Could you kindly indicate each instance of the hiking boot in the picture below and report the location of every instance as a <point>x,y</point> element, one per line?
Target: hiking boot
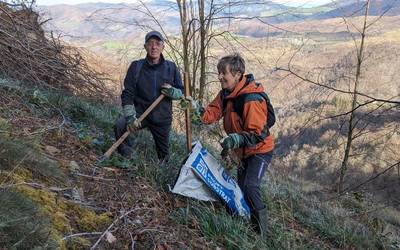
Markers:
<point>126,152</point>
<point>260,224</point>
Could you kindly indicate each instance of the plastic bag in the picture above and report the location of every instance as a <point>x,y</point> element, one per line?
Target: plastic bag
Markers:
<point>201,174</point>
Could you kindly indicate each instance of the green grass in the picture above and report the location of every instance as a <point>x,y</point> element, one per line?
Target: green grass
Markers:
<point>332,222</point>
<point>22,226</point>
<point>16,154</point>
<point>80,110</point>
<point>92,120</point>
<point>145,162</point>
<point>57,103</point>
<point>216,225</point>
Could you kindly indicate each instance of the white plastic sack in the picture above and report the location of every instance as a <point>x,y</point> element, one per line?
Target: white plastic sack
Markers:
<point>202,168</point>
<point>188,184</point>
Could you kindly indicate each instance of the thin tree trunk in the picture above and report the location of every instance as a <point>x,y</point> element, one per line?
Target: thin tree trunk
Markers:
<point>345,161</point>
<point>184,24</point>
<point>194,52</point>
<point>202,50</point>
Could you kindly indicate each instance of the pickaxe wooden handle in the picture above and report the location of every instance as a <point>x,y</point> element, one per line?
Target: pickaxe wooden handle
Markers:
<point>125,135</point>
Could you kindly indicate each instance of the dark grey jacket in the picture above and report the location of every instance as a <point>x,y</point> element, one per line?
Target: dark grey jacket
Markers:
<point>148,87</point>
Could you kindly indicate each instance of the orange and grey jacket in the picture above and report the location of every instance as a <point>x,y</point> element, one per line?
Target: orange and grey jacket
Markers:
<point>253,124</point>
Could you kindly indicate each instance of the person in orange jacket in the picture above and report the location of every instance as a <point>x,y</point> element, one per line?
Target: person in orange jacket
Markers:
<point>248,133</point>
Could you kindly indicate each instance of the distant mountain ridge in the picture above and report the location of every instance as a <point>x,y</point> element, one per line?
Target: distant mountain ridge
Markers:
<point>98,20</point>
<point>355,8</point>
<point>121,21</point>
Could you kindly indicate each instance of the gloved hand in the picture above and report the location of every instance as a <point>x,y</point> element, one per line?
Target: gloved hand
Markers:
<point>171,92</point>
<point>195,118</point>
<point>132,123</point>
<point>195,105</point>
<point>196,110</point>
<point>230,159</point>
<point>232,141</point>
<point>189,102</point>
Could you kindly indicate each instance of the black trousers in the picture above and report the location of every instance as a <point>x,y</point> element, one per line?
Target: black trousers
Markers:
<point>160,136</point>
<point>250,175</point>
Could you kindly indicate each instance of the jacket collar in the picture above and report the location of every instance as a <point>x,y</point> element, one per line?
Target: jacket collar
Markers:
<point>245,85</point>
<point>155,65</point>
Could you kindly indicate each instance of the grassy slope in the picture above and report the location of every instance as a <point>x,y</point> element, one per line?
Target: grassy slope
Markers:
<point>30,121</point>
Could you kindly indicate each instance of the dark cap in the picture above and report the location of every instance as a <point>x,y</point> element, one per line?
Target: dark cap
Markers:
<point>155,34</point>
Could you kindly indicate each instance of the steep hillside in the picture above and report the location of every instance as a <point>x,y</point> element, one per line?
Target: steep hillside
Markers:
<point>49,143</point>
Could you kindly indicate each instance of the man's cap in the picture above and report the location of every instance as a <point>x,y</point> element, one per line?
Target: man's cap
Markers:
<point>155,34</point>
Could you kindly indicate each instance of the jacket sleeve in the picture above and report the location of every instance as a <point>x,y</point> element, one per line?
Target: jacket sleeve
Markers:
<point>255,122</point>
<point>128,94</point>
<point>177,79</point>
<point>214,111</point>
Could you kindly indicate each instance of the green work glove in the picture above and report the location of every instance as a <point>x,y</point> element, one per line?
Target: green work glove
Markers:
<point>197,113</point>
<point>171,92</point>
<point>232,141</point>
<point>189,102</point>
<point>195,118</point>
<point>132,123</point>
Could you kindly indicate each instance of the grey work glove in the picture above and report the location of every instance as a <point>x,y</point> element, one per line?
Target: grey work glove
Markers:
<point>196,110</point>
<point>171,92</point>
<point>132,123</point>
<point>232,141</point>
<point>194,105</point>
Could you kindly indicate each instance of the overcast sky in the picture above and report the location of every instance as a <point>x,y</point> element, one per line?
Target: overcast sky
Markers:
<point>287,2</point>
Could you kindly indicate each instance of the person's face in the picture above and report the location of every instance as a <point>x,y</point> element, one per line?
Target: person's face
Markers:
<point>227,79</point>
<point>154,48</point>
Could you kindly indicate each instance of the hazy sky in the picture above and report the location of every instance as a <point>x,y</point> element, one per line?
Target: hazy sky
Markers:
<point>287,2</point>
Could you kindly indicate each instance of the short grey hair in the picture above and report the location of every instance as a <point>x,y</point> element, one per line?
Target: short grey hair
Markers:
<point>235,61</point>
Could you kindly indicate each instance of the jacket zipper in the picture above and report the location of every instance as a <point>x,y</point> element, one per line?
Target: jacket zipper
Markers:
<point>155,85</point>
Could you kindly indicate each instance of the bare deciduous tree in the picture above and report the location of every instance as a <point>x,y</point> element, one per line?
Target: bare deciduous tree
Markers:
<point>351,127</point>
<point>363,107</point>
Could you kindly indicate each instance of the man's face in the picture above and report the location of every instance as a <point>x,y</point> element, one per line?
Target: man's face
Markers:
<point>227,79</point>
<point>154,48</point>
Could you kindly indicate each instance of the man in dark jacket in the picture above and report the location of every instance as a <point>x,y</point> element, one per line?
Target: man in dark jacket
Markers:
<point>145,80</point>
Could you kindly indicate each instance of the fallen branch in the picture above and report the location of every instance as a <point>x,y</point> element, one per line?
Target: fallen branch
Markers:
<point>35,185</point>
<point>94,177</point>
<point>133,241</point>
<point>80,234</point>
<point>150,230</point>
